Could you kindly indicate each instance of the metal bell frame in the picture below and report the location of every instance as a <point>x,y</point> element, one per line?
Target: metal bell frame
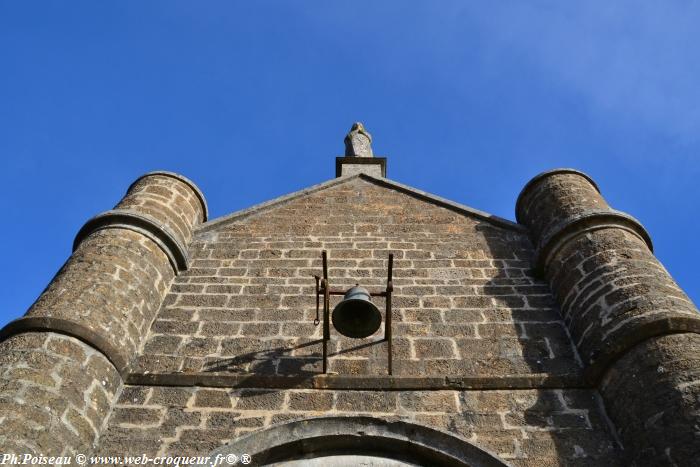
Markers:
<point>323,288</point>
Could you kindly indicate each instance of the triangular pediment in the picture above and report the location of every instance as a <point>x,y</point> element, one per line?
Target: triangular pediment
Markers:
<point>375,183</point>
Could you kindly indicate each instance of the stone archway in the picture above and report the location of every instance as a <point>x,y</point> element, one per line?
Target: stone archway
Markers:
<point>340,441</point>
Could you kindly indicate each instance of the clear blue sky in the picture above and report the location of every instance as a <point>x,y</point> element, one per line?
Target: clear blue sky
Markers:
<point>251,100</point>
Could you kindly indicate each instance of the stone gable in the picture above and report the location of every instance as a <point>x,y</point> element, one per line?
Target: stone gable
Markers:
<point>480,349</point>
<point>465,301</point>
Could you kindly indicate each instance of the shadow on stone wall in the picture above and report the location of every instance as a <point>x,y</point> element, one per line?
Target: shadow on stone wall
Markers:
<point>280,361</point>
<point>276,361</point>
<point>566,422</point>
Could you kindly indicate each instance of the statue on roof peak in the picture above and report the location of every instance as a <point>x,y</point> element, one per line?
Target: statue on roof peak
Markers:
<point>358,142</point>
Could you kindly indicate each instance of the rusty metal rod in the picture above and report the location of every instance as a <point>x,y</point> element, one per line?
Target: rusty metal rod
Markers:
<point>318,291</point>
<point>324,257</point>
<point>327,292</point>
<point>391,269</point>
<point>326,328</point>
<point>343,292</point>
<point>388,333</point>
<point>326,304</point>
<point>387,330</point>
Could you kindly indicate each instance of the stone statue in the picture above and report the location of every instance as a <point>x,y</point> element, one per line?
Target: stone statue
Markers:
<point>358,142</point>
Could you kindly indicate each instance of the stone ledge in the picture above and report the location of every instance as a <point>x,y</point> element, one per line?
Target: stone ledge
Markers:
<point>143,224</point>
<point>69,328</point>
<point>583,223</point>
<point>650,327</point>
<point>380,383</point>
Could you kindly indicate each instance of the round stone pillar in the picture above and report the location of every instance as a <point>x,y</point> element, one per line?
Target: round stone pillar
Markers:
<point>630,321</point>
<point>61,364</point>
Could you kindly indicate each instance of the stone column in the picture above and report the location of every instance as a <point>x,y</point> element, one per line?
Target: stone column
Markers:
<point>61,365</point>
<point>635,329</point>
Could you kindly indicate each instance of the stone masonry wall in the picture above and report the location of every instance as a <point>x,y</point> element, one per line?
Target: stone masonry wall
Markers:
<point>629,319</point>
<point>465,300</point>
<point>610,286</point>
<point>547,202</point>
<point>477,336</point>
<point>55,394</point>
<point>113,284</point>
<point>179,206</point>
<point>665,372</point>
<point>58,390</point>
<point>524,428</point>
<point>466,305</point>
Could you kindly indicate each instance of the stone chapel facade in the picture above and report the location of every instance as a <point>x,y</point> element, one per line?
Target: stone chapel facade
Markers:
<point>556,340</point>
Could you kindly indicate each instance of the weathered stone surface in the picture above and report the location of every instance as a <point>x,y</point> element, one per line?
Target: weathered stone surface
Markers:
<point>212,398</point>
<point>465,300</point>
<point>349,169</point>
<point>116,280</point>
<point>622,309</point>
<point>311,401</point>
<point>107,295</point>
<point>653,394</point>
<point>366,401</point>
<point>51,383</point>
<point>259,400</point>
<point>615,293</point>
<point>228,347</point>
<point>550,200</point>
<point>524,428</point>
<point>358,142</point>
<point>178,205</point>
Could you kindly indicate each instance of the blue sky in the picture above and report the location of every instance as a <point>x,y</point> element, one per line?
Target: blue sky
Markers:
<point>251,100</point>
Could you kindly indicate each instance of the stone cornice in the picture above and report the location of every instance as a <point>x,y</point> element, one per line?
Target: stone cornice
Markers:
<point>142,223</point>
<point>366,382</point>
<point>69,328</point>
<point>583,223</point>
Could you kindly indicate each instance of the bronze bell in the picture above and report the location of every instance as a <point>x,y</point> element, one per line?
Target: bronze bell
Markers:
<point>356,316</point>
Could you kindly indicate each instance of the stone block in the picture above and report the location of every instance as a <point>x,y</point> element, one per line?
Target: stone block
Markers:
<point>311,401</point>
<point>429,401</point>
<point>366,401</point>
<point>212,398</point>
